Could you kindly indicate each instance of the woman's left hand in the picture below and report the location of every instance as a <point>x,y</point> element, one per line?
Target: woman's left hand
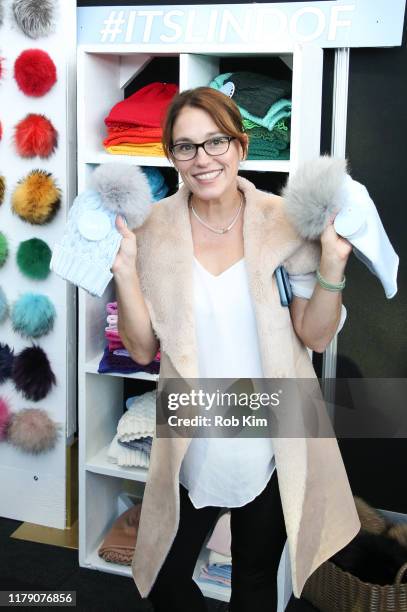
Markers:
<point>334,247</point>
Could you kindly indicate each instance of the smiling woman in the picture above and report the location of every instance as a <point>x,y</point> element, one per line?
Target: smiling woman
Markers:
<point>198,279</point>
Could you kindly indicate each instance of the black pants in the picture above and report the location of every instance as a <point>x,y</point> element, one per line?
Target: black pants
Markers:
<point>258,538</point>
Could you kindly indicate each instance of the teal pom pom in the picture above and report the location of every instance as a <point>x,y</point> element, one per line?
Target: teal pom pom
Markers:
<point>33,315</point>
<point>33,257</point>
<point>3,249</point>
<point>3,305</point>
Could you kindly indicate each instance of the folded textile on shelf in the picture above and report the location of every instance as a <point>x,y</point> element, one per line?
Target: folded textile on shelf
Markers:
<point>278,110</point>
<point>120,541</point>
<point>134,124</point>
<point>218,574</point>
<point>127,457</point>
<point>139,419</point>
<point>216,558</point>
<point>152,149</point>
<point>111,308</point>
<point>143,444</point>
<point>111,363</point>
<point>221,539</point>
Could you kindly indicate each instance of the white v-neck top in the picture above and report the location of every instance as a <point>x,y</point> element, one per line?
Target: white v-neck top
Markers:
<point>229,472</point>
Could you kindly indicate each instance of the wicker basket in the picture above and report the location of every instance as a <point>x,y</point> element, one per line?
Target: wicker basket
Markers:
<point>330,589</point>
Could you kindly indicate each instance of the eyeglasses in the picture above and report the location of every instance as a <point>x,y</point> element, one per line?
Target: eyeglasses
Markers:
<point>184,151</point>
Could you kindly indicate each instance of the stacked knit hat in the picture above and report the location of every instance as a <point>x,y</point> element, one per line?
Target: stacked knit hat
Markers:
<point>134,124</point>
<point>265,105</point>
<point>85,254</point>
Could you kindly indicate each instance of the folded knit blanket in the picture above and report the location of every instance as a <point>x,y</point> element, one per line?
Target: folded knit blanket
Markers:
<point>120,541</point>
<point>127,457</point>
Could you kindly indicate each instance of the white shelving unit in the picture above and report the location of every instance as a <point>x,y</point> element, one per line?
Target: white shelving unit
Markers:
<point>103,72</point>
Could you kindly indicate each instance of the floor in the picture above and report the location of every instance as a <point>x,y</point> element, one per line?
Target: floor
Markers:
<point>30,566</point>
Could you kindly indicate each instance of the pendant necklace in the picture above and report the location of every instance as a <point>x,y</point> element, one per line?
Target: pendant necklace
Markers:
<point>216,230</point>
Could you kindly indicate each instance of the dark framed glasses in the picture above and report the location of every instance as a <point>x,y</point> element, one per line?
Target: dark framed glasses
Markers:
<point>184,151</point>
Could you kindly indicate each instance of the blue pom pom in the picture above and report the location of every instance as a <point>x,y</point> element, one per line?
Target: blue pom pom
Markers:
<point>33,315</point>
<point>3,305</point>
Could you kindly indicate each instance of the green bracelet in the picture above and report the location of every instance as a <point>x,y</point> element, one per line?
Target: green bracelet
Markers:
<point>330,286</point>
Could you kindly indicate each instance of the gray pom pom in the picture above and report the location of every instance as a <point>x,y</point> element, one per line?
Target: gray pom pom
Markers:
<point>124,190</point>
<point>1,12</point>
<point>35,18</point>
<point>313,193</point>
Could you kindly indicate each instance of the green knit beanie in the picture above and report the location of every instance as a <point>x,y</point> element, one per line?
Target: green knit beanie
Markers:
<point>3,249</point>
<point>33,257</point>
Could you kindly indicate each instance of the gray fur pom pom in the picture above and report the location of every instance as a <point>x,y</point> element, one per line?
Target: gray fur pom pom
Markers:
<point>1,12</point>
<point>125,190</point>
<point>35,18</point>
<point>313,193</point>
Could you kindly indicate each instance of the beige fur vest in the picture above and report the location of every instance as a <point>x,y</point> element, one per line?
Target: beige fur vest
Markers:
<point>319,510</point>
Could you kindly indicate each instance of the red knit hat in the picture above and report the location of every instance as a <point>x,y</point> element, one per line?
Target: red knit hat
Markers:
<point>35,72</point>
<point>146,107</point>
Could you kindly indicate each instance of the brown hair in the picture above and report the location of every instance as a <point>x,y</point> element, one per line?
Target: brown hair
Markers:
<point>220,107</point>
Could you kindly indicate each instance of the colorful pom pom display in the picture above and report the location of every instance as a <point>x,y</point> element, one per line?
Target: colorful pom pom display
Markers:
<point>5,416</point>
<point>32,373</point>
<point>33,258</point>
<point>2,188</point>
<point>36,199</point>
<point>35,18</point>
<point>3,306</point>
<point>32,431</point>
<point>6,362</point>
<point>3,249</point>
<point>35,72</point>
<point>33,315</point>
<point>35,135</point>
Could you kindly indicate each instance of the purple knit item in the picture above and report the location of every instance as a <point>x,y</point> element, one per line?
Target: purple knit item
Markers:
<point>111,363</point>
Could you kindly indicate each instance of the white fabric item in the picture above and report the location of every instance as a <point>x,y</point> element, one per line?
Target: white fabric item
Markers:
<point>127,457</point>
<point>227,348</point>
<point>218,559</point>
<point>139,418</point>
<point>358,221</point>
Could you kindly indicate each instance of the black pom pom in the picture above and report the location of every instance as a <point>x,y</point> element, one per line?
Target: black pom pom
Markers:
<point>32,373</point>
<point>6,362</point>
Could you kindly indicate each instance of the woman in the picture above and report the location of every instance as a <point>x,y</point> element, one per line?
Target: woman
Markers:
<point>197,280</point>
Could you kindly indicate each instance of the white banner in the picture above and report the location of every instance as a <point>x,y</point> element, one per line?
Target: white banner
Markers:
<point>340,23</point>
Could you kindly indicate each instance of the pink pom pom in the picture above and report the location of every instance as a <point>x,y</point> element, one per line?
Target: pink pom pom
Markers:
<point>5,415</point>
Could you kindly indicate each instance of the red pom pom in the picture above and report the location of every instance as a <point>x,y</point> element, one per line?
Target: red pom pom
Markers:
<point>35,135</point>
<point>1,131</point>
<point>35,72</point>
<point>1,67</point>
<point>5,416</point>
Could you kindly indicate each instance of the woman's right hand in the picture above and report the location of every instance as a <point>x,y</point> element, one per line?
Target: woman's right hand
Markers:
<point>125,261</point>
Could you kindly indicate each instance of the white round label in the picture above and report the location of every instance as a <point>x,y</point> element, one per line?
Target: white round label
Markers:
<point>349,220</point>
<point>228,89</point>
<point>94,225</point>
